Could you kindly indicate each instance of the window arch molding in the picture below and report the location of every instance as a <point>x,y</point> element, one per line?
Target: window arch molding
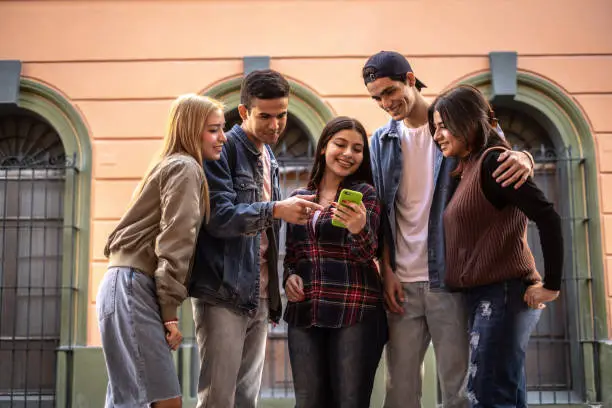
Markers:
<point>56,109</point>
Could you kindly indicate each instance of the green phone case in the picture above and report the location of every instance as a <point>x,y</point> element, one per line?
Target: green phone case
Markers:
<point>347,195</point>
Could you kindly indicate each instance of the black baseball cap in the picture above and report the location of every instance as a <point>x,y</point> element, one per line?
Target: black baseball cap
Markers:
<point>387,64</point>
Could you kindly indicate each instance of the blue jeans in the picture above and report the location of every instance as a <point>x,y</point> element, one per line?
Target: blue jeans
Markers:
<point>138,359</point>
<point>500,323</point>
<point>336,367</point>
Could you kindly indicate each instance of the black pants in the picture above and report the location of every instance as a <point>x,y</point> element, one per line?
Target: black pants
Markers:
<point>336,367</point>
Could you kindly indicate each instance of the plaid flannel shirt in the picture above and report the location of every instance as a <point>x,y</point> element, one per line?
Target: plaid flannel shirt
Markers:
<point>341,280</point>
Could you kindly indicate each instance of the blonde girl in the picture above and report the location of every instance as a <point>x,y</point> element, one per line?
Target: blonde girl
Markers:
<point>149,259</point>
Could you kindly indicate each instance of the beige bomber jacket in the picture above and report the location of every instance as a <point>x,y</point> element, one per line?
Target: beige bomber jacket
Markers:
<point>157,234</point>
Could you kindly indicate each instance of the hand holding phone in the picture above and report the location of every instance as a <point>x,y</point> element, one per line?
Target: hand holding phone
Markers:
<point>349,212</point>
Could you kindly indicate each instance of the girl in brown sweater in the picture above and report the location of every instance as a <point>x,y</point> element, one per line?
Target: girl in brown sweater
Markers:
<point>487,255</point>
<point>149,255</point>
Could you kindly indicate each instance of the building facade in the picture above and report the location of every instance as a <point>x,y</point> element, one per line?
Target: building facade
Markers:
<point>85,88</point>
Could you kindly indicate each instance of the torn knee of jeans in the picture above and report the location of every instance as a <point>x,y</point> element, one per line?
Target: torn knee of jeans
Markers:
<point>472,370</point>
<point>485,309</point>
<point>474,339</point>
<point>472,397</point>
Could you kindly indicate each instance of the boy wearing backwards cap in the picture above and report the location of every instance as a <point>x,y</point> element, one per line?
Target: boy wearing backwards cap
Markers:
<point>414,184</point>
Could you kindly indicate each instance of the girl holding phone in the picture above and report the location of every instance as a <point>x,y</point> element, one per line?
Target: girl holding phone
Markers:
<point>337,323</point>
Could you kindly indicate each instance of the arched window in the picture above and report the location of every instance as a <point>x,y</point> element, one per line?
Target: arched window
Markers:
<point>33,167</point>
<point>45,180</point>
<point>549,358</point>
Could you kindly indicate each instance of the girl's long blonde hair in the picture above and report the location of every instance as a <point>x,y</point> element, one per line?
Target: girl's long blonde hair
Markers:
<point>186,124</point>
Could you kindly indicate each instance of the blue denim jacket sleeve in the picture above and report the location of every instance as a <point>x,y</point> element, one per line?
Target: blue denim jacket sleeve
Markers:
<point>229,218</point>
<point>384,227</point>
<point>375,160</point>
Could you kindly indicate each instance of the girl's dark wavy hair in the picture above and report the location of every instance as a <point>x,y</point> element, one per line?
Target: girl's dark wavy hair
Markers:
<point>363,173</point>
<point>468,116</point>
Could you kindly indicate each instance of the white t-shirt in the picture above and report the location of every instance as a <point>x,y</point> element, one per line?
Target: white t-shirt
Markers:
<point>412,203</point>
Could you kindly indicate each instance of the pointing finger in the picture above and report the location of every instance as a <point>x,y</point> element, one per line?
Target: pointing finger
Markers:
<point>308,197</point>
<point>311,205</point>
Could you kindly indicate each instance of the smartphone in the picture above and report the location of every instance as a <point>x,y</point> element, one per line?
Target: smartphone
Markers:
<point>347,195</point>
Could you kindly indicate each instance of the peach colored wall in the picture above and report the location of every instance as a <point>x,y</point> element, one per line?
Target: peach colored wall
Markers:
<point>122,62</point>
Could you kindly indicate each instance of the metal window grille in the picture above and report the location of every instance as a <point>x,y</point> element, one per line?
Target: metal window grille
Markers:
<point>33,170</point>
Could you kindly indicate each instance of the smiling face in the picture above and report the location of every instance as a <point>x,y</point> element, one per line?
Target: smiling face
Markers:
<point>266,120</point>
<point>344,153</point>
<point>394,97</point>
<point>213,136</point>
<point>450,144</point>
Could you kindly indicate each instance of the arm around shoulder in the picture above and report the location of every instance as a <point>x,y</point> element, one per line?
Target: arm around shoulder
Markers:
<point>531,200</point>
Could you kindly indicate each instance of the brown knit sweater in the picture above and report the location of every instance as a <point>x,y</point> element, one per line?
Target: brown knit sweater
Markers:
<point>484,245</point>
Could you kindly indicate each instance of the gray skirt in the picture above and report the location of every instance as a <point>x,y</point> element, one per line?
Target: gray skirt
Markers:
<point>138,359</point>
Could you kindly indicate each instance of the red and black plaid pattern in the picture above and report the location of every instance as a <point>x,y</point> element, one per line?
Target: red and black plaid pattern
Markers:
<point>341,281</point>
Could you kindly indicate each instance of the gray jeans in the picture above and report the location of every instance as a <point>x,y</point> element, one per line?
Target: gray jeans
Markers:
<point>232,352</point>
<point>435,316</point>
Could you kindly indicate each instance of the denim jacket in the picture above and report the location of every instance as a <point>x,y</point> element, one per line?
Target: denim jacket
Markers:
<point>226,267</point>
<point>386,156</point>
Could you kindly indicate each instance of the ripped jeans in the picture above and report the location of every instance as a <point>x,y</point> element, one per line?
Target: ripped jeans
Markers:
<point>500,324</point>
